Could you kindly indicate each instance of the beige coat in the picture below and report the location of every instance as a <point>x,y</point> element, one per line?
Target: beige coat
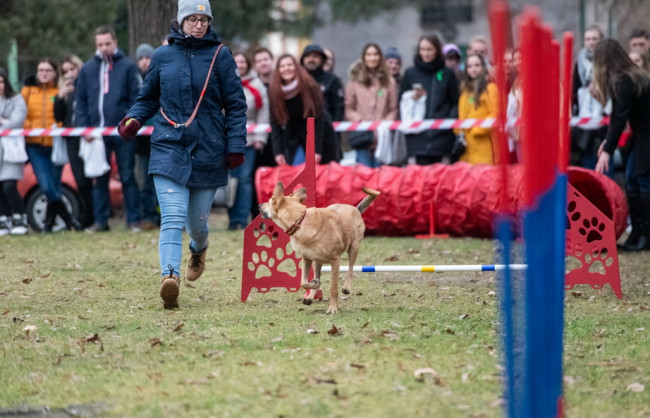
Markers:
<point>373,102</point>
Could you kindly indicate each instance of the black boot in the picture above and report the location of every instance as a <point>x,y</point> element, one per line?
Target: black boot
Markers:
<point>638,239</point>
<point>62,211</point>
<point>50,215</point>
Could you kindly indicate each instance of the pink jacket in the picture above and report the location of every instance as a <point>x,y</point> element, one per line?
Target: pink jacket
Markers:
<point>372,102</point>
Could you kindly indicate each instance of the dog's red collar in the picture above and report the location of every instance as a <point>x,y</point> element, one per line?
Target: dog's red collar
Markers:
<point>296,225</point>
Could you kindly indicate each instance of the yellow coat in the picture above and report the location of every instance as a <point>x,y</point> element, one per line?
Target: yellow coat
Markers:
<point>40,111</point>
<point>479,140</point>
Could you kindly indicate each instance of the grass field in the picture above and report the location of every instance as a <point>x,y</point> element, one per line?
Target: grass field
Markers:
<point>82,330</point>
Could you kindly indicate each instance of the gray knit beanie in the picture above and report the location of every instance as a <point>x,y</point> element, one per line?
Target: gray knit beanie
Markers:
<point>144,50</point>
<point>193,7</point>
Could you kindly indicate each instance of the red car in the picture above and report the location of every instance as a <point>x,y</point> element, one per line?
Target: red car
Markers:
<point>36,202</point>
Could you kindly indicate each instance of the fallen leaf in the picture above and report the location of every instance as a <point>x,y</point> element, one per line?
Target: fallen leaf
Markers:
<point>420,374</point>
<point>92,338</point>
<point>5,312</point>
<point>179,326</point>
<point>27,280</point>
<point>28,329</point>
<point>17,319</point>
<point>576,294</point>
<point>155,341</point>
<point>450,331</point>
<point>277,339</point>
<point>328,381</point>
<point>492,293</point>
<point>389,334</point>
<point>639,329</point>
<point>393,257</point>
<point>365,325</point>
<point>211,354</point>
<point>334,330</point>
<point>312,331</point>
<point>357,366</point>
<point>271,324</point>
<point>635,387</point>
<point>463,316</point>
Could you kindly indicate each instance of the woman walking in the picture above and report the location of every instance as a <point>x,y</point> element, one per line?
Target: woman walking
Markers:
<point>190,157</point>
<point>617,77</point>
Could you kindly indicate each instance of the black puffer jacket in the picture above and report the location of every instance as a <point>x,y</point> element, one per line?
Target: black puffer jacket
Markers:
<point>442,90</point>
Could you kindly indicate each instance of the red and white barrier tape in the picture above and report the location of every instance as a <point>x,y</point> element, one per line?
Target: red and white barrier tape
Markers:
<point>587,123</point>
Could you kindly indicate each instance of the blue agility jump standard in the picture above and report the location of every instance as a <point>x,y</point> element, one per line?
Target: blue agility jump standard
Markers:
<point>430,268</point>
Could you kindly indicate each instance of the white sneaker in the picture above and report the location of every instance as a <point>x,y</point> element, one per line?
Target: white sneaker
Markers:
<point>19,224</point>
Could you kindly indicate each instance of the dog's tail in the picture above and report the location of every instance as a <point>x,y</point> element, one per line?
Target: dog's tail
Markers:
<point>371,195</point>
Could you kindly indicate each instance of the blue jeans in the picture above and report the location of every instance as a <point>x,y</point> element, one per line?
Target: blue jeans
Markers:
<point>125,156</point>
<point>238,214</point>
<point>635,185</point>
<point>181,206</point>
<point>148,199</point>
<point>367,157</point>
<point>47,173</point>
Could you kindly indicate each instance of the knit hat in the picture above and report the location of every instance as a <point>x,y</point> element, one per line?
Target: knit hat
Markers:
<point>450,50</point>
<point>313,48</point>
<point>193,7</point>
<point>392,52</point>
<point>144,50</point>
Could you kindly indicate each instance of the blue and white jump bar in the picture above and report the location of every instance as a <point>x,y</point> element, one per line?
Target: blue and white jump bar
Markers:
<point>431,268</point>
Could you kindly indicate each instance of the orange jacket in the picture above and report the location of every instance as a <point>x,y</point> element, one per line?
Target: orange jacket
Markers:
<point>40,111</point>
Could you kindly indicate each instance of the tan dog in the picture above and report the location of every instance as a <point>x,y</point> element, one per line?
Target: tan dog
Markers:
<point>320,235</point>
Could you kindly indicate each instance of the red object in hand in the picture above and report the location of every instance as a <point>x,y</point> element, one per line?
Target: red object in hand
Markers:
<point>235,160</point>
<point>128,127</point>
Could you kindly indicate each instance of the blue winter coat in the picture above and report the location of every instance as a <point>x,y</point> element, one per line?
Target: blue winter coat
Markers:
<point>108,108</point>
<point>195,156</point>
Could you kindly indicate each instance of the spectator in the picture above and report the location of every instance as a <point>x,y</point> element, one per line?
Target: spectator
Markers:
<point>453,57</point>
<point>640,41</point>
<point>478,100</point>
<point>39,94</point>
<point>257,101</point>
<point>513,110</point>
<point>264,65</point>
<point>13,219</point>
<point>64,114</point>
<point>148,199</point>
<point>640,60</point>
<point>429,77</point>
<point>509,64</point>
<point>393,60</point>
<point>190,157</point>
<point>371,94</point>
<point>313,58</point>
<point>106,87</point>
<point>585,141</point>
<point>330,62</point>
<point>264,158</point>
<point>478,45</point>
<point>295,96</point>
<point>616,76</point>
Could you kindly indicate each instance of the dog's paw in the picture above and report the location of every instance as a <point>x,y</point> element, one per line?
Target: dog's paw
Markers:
<point>346,291</point>
<point>332,309</point>
<point>306,301</point>
<point>314,284</point>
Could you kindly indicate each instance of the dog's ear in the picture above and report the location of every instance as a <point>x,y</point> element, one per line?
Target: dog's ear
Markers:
<point>279,190</point>
<point>300,194</point>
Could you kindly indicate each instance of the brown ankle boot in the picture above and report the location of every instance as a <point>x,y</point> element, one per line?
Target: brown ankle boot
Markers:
<point>196,264</point>
<point>169,290</point>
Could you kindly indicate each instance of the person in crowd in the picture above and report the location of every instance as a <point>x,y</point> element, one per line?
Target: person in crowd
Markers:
<point>628,86</point>
<point>295,96</point>
<point>513,110</point>
<point>478,45</point>
<point>64,114</point>
<point>39,93</point>
<point>453,58</point>
<point>478,100</point>
<point>371,94</point>
<point>148,199</point>
<point>13,219</point>
<point>263,58</point>
<point>585,141</point>
<point>190,155</point>
<point>330,62</point>
<point>257,102</point>
<point>509,64</point>
<point>431,78</point>
<point>639,41</point>
<point>640,60</point>
<point>313,58</point>
<point>393,60</point>
<point>106,87</point>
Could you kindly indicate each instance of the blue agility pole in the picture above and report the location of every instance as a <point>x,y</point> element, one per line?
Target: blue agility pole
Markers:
<point>430,268</point>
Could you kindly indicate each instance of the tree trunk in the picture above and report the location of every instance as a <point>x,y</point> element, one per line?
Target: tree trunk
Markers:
<point>149,21</point>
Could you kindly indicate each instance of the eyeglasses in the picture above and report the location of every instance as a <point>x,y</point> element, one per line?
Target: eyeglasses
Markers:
<point>193,20</point>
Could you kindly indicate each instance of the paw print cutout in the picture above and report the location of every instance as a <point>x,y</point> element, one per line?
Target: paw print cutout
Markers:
<point>592,229</point>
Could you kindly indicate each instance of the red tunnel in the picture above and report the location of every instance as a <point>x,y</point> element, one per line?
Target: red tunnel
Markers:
<point>464,196</point>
